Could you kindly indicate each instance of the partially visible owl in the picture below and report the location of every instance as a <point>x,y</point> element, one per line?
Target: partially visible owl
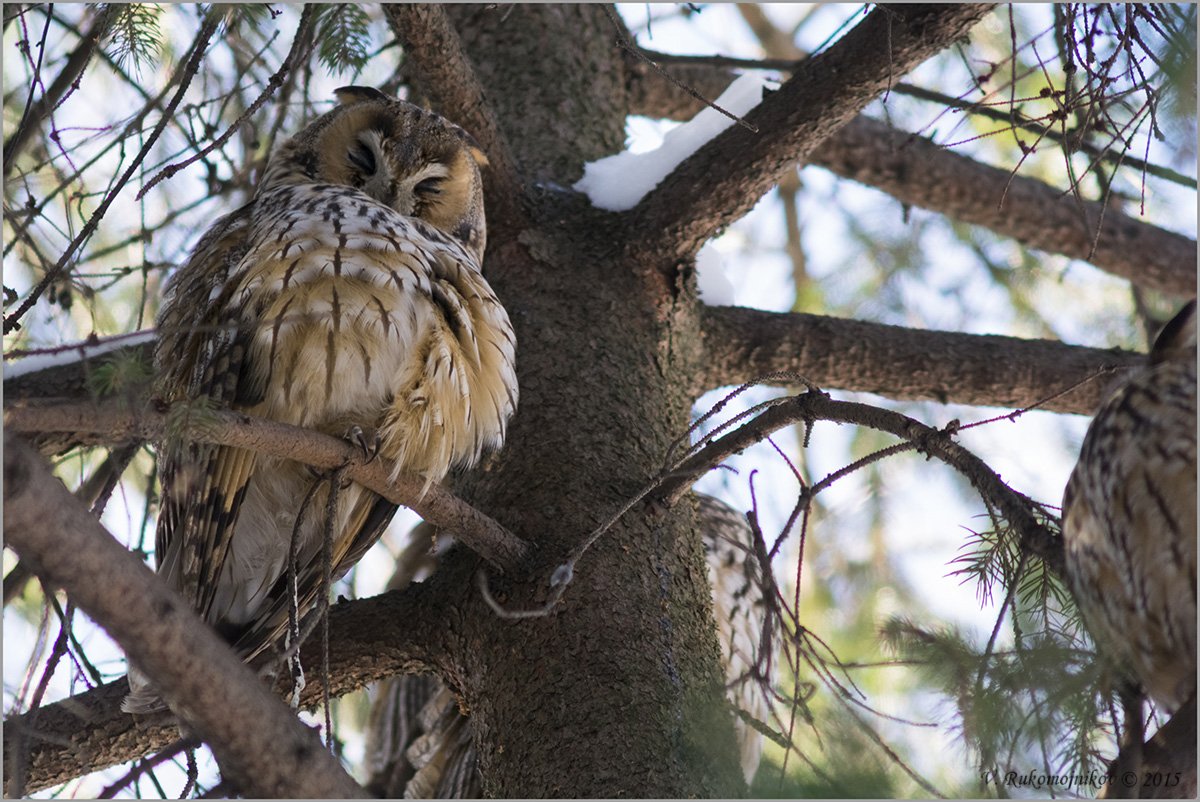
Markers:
<point>346,296</point>
<point>1129,521</point>
<point>419,745</point>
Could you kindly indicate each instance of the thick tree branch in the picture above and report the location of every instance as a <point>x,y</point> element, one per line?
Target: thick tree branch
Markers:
<point>916,171</point>
<point>904,363</point>
<point>213,691</point>
<point>370,639</point>
<point>117,421</point>
<point>1170,755</point>
<point>738,167</point>
<point>445,74</point>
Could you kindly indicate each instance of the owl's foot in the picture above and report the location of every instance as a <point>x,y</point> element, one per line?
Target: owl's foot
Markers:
<point>358,437</point>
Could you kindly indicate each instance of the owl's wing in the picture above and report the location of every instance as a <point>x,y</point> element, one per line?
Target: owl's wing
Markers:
<point>741,614</point>
<point>370,517</point>
<point>201,360</point>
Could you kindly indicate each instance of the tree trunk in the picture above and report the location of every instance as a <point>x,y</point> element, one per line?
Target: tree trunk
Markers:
<point>617,692</point>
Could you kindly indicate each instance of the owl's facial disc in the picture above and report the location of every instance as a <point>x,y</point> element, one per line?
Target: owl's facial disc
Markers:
<point>367,159</point>
<point>423,190</point>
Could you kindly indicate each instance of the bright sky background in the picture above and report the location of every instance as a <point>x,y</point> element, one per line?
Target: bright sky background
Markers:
<point>926,515</point>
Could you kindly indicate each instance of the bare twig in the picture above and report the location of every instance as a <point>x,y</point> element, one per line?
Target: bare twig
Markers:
<point>184,76</point>
<point>142,766</point>
<point>1071,139</point>
<point>1035,537</point>
<point>630,47</point>
<point>301,38</point>
<point>67,79</point>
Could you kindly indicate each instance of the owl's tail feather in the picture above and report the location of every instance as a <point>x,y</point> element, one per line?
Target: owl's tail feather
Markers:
<point>143,699</point>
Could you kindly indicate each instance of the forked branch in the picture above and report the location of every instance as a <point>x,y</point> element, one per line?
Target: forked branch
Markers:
<point>1035,537</point>
<point>258,741</point>
<point>738,167</point>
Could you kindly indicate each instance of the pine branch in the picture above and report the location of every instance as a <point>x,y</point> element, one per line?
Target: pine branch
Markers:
<point>904,363</point>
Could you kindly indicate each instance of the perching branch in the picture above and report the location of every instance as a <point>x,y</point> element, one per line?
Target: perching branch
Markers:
<point>738,167</point>
<point>117,422</point>
<point>904,363</point>
<point>277,756</point>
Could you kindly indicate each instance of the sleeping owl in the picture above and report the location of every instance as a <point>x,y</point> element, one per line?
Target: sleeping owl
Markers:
<point>347,296</point>
<point>1129,521</point>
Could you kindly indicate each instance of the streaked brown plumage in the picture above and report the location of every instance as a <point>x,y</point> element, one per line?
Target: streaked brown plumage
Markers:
<point>419,744</point>
<point>1129,521</point>
<point>348,293</point>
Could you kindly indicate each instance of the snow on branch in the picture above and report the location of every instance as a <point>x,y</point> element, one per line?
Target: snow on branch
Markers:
<point>726,177</point>
<point>619,182</point>
<point>919,172</point>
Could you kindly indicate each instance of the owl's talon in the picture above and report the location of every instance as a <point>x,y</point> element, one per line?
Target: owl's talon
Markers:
<point>358,437</point>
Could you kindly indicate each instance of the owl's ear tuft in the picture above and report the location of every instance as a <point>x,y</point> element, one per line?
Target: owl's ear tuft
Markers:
<point>478,155</point>
<point>473,148</point>
<point>348,95</point>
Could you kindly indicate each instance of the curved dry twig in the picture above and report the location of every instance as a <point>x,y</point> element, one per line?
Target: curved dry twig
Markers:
<point>1018,510</point>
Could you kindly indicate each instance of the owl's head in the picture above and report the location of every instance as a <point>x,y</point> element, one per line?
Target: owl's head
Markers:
<point>403,156</point>
<point>1177,340</point>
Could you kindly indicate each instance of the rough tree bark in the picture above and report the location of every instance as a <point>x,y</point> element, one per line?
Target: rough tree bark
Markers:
<point>617,692</point>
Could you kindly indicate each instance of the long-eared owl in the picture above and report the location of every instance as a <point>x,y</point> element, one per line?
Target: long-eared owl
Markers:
<point>1129,521</point>
<point>348,294</point>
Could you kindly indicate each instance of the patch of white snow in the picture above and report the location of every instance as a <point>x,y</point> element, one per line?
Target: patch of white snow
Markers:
<point>619,182</point>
